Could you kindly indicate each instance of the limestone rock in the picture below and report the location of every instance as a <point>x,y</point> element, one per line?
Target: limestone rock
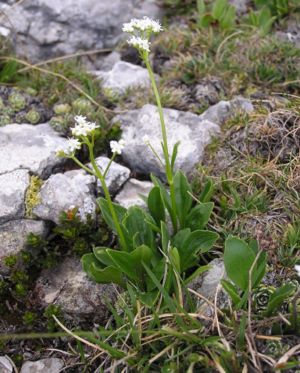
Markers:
<point>241,5</point>
<point>117,175</point>
<point>47,28</point>
<point>5,365</point>
<point>12,194</point>
<point>122,76</point>
<point>193,132</point>
<point>291,32</point>
<point>30,147</point>
<point>62,192</point>
<point>68,286</point>
<point>208,91</point>
<point>49,365</point>
<point>132,191</point>
<point>223,110</point>
<point>207,285</point>
<point>13,236</point>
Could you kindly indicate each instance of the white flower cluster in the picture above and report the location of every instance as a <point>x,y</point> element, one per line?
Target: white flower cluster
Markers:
<point>144,24</point>
<point>141,30</point>
<point>83,127</point>
<point>70,148</point>
<point>297,268</point>
<point>139,43</point>
<point>117,146</point>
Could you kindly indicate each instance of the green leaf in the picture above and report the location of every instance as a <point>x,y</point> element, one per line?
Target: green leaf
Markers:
<point>199,216</point>
<point>259,269</point>
<point>197,241</point>
<point>205,20</point>
<point>227,20</point>
<point>135,222</point>
<point>200,6</point>
<point>165,237</point>
<point>174,154</point>
<point>149,298</point>
<point>123,261</point>
<point>175,258</point>
<point>107,275</point>
<point>219,7</point>
<point>156,205</point>
<point>104,207</point>
<point>241,333</point>
<point>142,254</point>
<point>165,197</point>
<point>102,256</point>
<point>99,274</point>
<point>196,274</point>
<point>278,297</point>
<point>232,292</point>
<point>183,199</point>
<point>238,259</point>
<point>132,263</point>
<point>207,192</point>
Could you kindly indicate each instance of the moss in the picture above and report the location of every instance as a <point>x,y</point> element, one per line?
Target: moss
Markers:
<point>32,198</point>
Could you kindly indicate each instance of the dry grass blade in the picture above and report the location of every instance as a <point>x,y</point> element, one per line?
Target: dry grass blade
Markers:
<point>77,337</point>
<point>58,75</point>
<point>284,359</point>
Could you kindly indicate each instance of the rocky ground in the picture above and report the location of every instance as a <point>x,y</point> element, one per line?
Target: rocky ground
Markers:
<point>235,113</point>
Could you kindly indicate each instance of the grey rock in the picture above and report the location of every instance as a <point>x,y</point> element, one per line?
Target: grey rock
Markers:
<point>13,236</point>
<point>132,191</point>
<point>291,32</point>
<point>47,28</point>
<point>241,5</point>
<point>116,176</point>
<point>12,194</point>
<point>49,365</point>
<point>68,286</point>
<point>107,62</point>
<point>223,110</point>
<point>207,285</point>
<point>208,92</point>
<point>193,132</point>
<point>5,365</point>
<point>30,147</point>
<point>62,192</point>
<point>122,76</point>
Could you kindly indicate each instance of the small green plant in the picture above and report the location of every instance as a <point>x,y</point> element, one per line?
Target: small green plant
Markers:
<point>50,311</point>
<point>245,266</point>
<point>261,19</point>
<point>221,13</point>
<point>149,253</point>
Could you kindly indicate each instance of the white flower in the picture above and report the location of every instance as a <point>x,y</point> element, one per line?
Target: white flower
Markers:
<point>145,139</point>
<point>128,27</point>
<point>297,268</point>
<point>144,24</point>
<point>83,127</point>
<point>117,146</point>
<point>80,120</point>
<point>139,43</point>
<point>70,148</point>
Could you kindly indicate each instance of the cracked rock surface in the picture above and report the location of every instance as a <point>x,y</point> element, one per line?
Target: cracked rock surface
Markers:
<point>47,28</point>
<point>30,147</point>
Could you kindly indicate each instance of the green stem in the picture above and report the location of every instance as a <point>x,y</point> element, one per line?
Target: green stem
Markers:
<point>82,165</point>
<point>107,195</point>
<point>169,171</point>
<point>109,164</point>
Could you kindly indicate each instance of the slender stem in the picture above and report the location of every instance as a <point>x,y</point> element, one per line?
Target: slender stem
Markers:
<point>162,120</point>
<point>169,171</point>
<point>107,195</point>
<point>109,164</point>
<point>76,160</point>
